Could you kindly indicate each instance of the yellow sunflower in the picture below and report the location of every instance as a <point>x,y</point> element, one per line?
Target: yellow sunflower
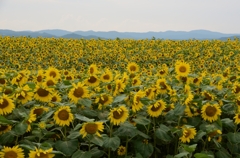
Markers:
<point>182,68</point>
<point>21,78</point>
<point>38,110</point>
<point>63,116</point>
<point>5,128</point>
<point>24,94</point>
<point>161,86</point>
<point>55,98</point>
<point>132,67</point>
<point>137,104</point>
<point>188,134</point>
<point>136,81</point>
<point>92,81</point>
<point>91,128</point>
<point>118,115</point>
<point>38,153</point>
<point>121,150</point>
<point>49,81</point>
<point>53,72</point>
<point>39,77</point>
<point>120,87</point>
<point>78,91</point>
<point>156,109</point>
<point>210,112</point>
<point>215,133</point>
<point>236,88</point>
<point>104,100</point>
<point>150,93</point>
<point>93,69</point>
<point>43,93</point>
<point>6,105</point>
<point>208,95</point>
<point>107,76</point>
<point>237,118</point>
<point>14,152</point>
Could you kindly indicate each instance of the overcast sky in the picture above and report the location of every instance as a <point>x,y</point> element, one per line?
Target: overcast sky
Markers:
<point>121,15</point>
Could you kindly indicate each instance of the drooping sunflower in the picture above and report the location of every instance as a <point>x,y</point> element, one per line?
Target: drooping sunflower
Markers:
<point>107,76</point>
<point>156,109</point>
<point>93,69</point>
<point>132,67</point>
<point>5,128</point>
<point>53,72</point>
<point>14,152</point>
<point>63,116</point>
<point>121,150</point>
<point>24,94</point>
<point>118,115</point>
<point>21,78</point>
<point>120,87</point>
<point>188,134</point>
<point>104,100</point>
<point>150,92</point>
<point>214,133</point>
<point>137,104</point>
<point>91,128</point>
<point>38,153</point>
<point>208,95</point>
<point>182,68</point>
<point>6,105</point>
<point>42,93</point>
<point>77,92</point>
<point>210,112</point>
<point>38,110</point>
<point>92,81</point>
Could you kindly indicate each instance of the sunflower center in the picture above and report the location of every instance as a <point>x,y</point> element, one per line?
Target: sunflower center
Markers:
<point>2,81</point>
<point>19,79</point>
<point>92,79</point>
<point>53,74</point>
<point>69,78</point>
<point>237,89</point>
<point>91,70</point>
<point>182,69</point>
<point>163,85</point>
<point>195,80</point>
<point>187,134</point>
<point>21,96</point>
<point>8,91</point>
<point>118,115</point>
<point>63,115</point>
<point>42,155</point>
<point>4,104</point>
<point>39,78</point>
<point>42,92</point>
<point>106,77</point>
<point>162,72</point>
<point>238,102</point>
<point>10,154</point>
<point>208,96</point>
<point>109,87</point>
<point>134,81</point>
<point>65,72</point>
<point>156,108</point>
<point>103,99</point>
<point>78,92</point>
<point>91,128</point>
<point>38,112</point>
<point>211,111</point>
<point>133,68</point>
<point>50,83</point>
<point>3,127</point>
<point>54,99</point>
<point>148,92</point>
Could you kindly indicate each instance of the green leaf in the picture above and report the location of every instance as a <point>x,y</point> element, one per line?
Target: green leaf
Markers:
<point>95,139</point>
<point>45,146</point>
<point>161,133</point>
<point>4,121</point>
<point>144,149</point>
<point>47,115</point>
<point>119,98</point>
<point>233,148</point>
<point>179,110</point>
<point>126,129</point>
<point>142,120</point>
<point>228,124</point>
<point>21,128</point>
<point>73,134</point>
<point>112,142</point>
<point>138,155</point>
<point>143,134</point>
<point>233,137</point>
<point>67,147</point>
<point>201,155</point>
<point>190,148</point>
<point>194,121</point>
<point>86,102</point>
<point>89,113</point>
<point>222,153</point>
<point>96,153</point>
<point>28,147</point>
<point>145,100</point>
<point>81,154</point>
<point>199,135</point>
<point>182,154</point>
<point>7,138</point>
<point>83,118</point>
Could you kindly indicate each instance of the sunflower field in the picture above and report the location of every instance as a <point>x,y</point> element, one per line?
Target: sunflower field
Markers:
<point>122,98</point>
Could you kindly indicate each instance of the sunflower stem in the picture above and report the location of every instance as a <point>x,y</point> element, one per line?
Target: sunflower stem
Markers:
<point>154,137</point>
<point>110,135</point>
<point>65,132</point>
<point>126,147</point>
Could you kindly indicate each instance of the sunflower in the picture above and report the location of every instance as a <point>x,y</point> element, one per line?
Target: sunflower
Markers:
<point>236,88</point>
<point>77,92</point>
<point>197,80</point>
<point>136,81</point>
<point>161,86</point>
<point>63,116</point>
<point>188,133</point>
<point>91,128</point>
<point>156,109</point>
<point>120,87</point>
<point>14,152</point>
<point>6,105</point>
<point>92,81</point>
<point>39,77</point>
<point>38,110</point>
<point>5,128</point>
<point>53,72</point>
<point>42,125</point>
<point>150,93</point>
<point>182,68</point>
<point>107,76</point>
<point>121,150</point>
<point>104,100</point>
<point>24,94</point>
<point>43,93</point>
<point>132,67</point>
<point>49,81</point>
<point>118,115</point>
<point>210,112</point>
<point>125,78</point>
<point>93,69</point>
<point>237,118</point>
<point>21,78</point>
<point>55,98</point>
<point>208,95</point>
<point>163,72</point>
<point>137,104</point>
<point>189,98</point>
<point>215,133</point>
<point>38,153</point>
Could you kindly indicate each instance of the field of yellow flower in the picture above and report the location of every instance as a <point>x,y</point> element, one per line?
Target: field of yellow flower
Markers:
<point>119,98</point>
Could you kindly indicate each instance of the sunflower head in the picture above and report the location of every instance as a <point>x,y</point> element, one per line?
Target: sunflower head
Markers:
<point>53,72</point>
<point>92,81</point>
<point>6,105</point>
<point>63,116</point>
<point>12,152</point>
<point>121,150</point>
<point>107,76</point>
<point>91,128</point>
<point>188,134</point>
<point>118,115</point>
<point>42,93</point>
<point>182,68</point>
<point>210,112</point>
<point>78,91</point>
<point>156,109</point>
<point>132,67</point>
<point>41,153</point>
<point>93,69</point>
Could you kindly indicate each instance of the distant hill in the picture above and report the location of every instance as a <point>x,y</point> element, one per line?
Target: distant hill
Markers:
<point>173,35</point>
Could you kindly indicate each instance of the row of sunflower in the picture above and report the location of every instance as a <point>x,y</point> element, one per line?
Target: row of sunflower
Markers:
<point>134,111</point>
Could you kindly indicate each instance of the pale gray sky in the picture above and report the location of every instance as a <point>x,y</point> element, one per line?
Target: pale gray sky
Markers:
<point>121,15</point>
